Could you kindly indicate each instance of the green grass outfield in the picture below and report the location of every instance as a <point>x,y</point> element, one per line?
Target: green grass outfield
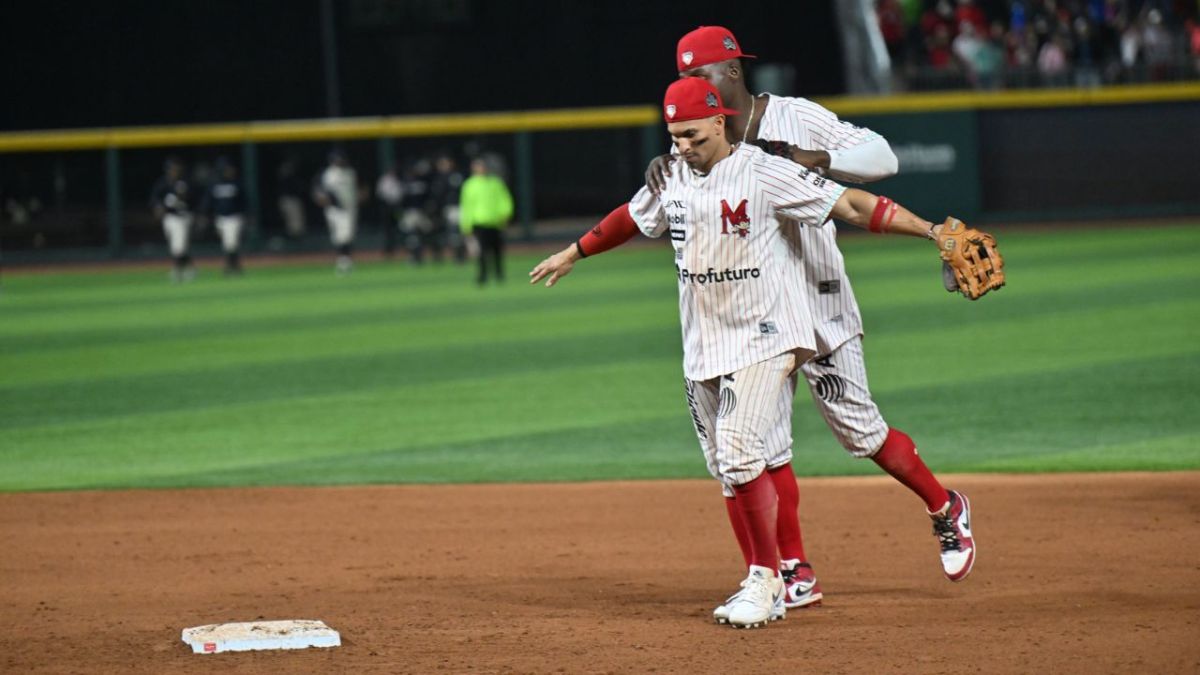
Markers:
<point>1089,360</point>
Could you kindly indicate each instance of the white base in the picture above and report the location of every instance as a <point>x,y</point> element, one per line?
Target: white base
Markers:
<point>255,635</point>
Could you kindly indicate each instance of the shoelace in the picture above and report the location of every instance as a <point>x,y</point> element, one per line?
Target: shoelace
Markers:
<point>946,533</point>
<point>757,591</point>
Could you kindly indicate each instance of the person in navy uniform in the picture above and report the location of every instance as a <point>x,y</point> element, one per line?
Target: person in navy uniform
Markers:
<point>444,191</point>
<point>225,202</point>
<point>170,202</point>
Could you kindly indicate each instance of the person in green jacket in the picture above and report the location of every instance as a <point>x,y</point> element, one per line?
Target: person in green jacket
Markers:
<point>485,207</point>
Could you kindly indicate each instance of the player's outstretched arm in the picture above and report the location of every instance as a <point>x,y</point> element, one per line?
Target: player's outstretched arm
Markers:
<point>971,264</point>
<point>555,267</point>
<point>880,214</point>
<point>615,229</point>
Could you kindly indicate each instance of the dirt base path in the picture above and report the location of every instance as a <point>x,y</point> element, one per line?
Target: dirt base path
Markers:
<point>1076,574</point>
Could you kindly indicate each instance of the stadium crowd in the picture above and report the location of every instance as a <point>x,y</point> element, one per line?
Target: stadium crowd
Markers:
<point>993,44</point>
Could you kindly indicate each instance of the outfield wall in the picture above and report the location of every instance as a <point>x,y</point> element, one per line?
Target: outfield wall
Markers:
<point>994,157</point>
<point>1034,163</point>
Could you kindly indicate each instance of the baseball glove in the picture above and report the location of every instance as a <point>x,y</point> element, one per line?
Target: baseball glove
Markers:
<point>971,264</point>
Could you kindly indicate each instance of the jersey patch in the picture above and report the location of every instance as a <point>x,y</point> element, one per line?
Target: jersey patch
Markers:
<point>829,287</point>
<point>735,218</point>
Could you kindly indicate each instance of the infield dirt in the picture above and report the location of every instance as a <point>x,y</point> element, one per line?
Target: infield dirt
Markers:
<point>1096,573</point>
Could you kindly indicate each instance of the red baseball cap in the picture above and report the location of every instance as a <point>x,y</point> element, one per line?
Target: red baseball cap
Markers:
<point>705,45</point>
<point>692,98</point>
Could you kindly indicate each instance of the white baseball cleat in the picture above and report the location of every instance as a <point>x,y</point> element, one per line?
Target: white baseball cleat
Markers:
<point>952,527</point>
<point>721,612</point>
<point>760,599</point>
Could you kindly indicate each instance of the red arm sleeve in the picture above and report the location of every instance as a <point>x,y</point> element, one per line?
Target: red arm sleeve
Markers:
<point>616,229</point>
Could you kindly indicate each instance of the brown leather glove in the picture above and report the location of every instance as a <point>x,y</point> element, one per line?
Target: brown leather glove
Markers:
<point>971,264</point>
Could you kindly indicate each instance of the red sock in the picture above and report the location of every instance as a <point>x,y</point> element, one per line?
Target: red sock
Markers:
<point>899,457</point>
<point>787,525</point>
<point>759,505</point>
<point>739,529</point>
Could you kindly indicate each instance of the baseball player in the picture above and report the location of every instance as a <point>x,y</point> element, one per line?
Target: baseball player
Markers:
<point>337,193</point>
<point>444,189</point>
<point>416,205</point>
<point>735,215</point>
<point>169,201</point>
<point>226,203</point>
<point>837,377</point>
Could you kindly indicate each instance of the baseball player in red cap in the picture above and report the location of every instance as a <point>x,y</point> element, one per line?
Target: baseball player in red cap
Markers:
<point>837,376</point>
<point>735,215</point>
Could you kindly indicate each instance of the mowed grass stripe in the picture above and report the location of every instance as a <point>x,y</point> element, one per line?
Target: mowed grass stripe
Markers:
<point>221,300</point>
<point>149,289</point>
<point>60,404</point>
<point>392,306</point>
<point>137,446</point>
<point>650,435</point>
<point>244,348</point>
<point>595,287</point>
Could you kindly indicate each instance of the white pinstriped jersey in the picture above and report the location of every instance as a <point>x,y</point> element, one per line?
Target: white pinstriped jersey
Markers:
<point>741,289</point>
<point>807,125</point>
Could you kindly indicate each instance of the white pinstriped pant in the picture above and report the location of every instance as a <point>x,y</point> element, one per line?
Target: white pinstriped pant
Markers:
<point>744,419</point>
<point>838,382</point>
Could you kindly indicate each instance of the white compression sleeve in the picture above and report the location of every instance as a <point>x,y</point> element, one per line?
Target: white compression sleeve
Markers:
<point>864,163</point>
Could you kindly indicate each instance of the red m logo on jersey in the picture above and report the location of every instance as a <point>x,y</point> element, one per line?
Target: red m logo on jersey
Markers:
<point>735,217</point>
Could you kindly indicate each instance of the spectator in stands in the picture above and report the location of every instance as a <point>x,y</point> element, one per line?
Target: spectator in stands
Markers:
<point>979,56</point>
<point>939,48</point>
<point>1157,45</point>
<point>1052,61</point>
<point>1193,36</point>
<point>891,26</point>
<point>485,207</point>
<point>940,14</point>
<point>1087,53</point>
<point>968,12</point>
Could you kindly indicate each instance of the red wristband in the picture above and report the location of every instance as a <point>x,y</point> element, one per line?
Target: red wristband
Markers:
<point>881,217</point>
<point>617,228</point>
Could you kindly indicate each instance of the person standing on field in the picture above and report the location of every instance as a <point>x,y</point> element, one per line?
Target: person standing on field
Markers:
<point>226,203</point>
<point>735,215</point>
<point>169,201</point>
<point>811,135</point>
<point>337,193</point>
<point>485,207</point>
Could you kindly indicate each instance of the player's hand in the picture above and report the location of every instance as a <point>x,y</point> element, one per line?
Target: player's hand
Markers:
<point>555,267</point>
<point>809,159</point>
<point>658,172</point>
